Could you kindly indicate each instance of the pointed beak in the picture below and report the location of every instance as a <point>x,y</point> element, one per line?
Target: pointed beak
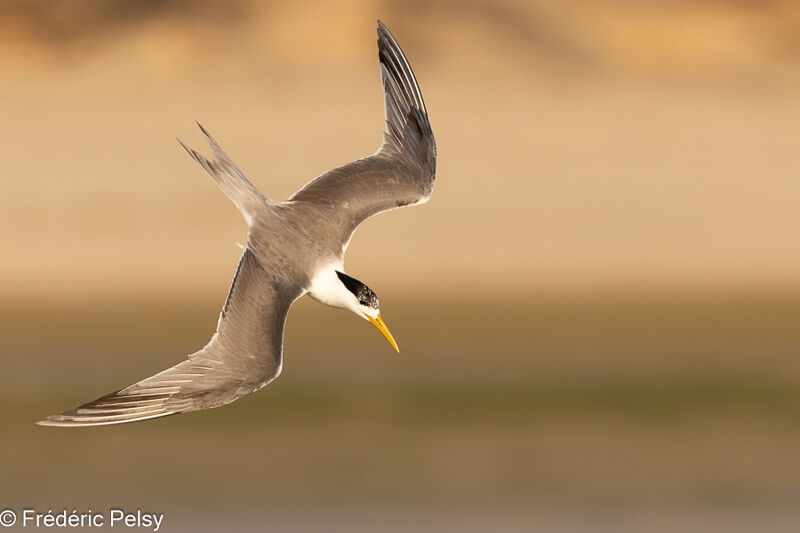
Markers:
<point>379,323</point>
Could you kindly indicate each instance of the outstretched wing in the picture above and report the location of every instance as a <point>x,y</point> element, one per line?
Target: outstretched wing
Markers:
<point>242,356</point>
<point>400,173</point>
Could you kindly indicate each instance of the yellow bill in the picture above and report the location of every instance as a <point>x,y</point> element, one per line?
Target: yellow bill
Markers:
<point>379,323</point>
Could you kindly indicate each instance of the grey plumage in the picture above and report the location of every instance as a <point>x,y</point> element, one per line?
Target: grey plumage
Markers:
<point>288,244</point>
<point>242,356</point>
<point>400,173</point>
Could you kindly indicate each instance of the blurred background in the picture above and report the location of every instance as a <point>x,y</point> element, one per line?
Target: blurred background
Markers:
<point>598,311</point>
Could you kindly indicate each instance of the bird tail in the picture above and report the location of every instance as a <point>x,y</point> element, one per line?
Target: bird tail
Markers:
<point>230,179</point>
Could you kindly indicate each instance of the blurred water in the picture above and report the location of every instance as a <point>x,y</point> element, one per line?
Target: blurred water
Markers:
<point>619,414</point>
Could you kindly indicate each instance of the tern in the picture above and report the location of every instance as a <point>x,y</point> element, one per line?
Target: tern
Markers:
<point>295,247</point>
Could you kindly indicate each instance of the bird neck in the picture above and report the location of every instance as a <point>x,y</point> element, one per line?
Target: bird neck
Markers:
<point>326,288</point>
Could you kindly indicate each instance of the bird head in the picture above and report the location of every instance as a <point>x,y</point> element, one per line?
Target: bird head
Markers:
<point>364,302</point>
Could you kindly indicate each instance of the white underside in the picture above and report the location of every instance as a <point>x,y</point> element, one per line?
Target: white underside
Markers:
<point>326,287</point>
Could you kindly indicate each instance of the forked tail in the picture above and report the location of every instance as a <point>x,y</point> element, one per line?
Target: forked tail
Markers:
<point>230,179</point>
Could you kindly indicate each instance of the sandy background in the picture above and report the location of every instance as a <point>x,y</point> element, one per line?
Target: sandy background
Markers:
<point>598,311</point>
<point>580,146</point>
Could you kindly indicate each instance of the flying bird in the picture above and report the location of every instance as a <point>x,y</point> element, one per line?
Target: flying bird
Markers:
<point>293,248</point>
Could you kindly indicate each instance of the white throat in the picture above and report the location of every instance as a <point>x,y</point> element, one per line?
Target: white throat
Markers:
<point>327,288</point>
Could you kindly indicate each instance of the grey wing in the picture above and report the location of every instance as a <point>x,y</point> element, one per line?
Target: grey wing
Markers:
<point>243,355</point>
<point>401,172</point>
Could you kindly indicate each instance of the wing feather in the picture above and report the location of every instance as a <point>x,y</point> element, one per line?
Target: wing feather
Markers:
<point>400,173</point>
<point>243,355</point>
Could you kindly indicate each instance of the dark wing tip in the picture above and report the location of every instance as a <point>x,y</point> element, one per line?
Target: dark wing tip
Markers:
<point>394,60</point>
<point>408,129</point>
<point>115,408</point>
<point>66,421</point>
